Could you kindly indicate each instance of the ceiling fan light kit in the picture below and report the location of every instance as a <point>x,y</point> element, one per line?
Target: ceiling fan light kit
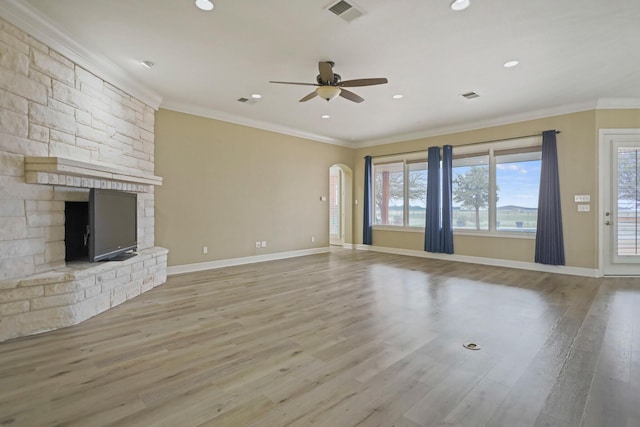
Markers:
<point>328,92</point>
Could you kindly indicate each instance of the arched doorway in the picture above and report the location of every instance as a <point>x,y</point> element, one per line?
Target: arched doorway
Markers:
<point>340,183</point>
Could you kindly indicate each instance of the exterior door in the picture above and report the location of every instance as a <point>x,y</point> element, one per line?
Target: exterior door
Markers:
<point>621,202</point>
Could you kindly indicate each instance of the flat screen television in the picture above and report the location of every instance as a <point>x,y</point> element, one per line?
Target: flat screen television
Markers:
<point>113,224</point>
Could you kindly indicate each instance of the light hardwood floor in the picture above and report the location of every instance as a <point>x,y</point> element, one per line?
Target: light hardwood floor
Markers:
<point>344,339</point>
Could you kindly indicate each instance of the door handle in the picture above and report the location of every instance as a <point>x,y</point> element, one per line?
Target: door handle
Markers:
<point>608,223</point>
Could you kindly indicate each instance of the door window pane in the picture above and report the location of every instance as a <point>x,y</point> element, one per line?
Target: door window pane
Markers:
<point>627,226</point>
<point>417,189</point>
<point>517,187</point>
<point>334,202</point>
<point>389,193</point>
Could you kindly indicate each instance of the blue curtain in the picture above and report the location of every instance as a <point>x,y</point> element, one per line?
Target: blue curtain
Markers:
<point>446,234</point>
<point>367,218</point>
<point>549,238</point>
<point>432,223</point>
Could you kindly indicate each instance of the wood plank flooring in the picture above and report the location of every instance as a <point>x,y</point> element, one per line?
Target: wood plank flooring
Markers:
<point>349,338</point>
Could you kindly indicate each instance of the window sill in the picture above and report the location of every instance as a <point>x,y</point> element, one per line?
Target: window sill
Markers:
<point>399,228</point>
<point>530,235</point>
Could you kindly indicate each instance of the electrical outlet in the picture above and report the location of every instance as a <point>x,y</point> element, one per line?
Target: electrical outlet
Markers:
<point>263,244</point>
<point>257,244</point>
<point>205,250</point>
<point>313,239</point>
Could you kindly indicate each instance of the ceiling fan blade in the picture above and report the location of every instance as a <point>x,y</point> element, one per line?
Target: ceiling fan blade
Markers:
<point>295,83</point>
<point>326,71</point>
<point>363,82</point>
<point>351,96</point>
<point>310,96</point>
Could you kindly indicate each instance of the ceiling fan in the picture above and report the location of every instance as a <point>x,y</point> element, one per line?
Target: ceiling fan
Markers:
<point>330,84</point>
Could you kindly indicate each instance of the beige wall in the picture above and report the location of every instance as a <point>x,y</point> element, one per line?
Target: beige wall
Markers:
<point>618,119</point>
<point>227,186</point>
<point>577,153</point>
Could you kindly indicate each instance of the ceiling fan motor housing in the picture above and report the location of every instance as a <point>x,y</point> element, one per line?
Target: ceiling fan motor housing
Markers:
<point>336,80</point>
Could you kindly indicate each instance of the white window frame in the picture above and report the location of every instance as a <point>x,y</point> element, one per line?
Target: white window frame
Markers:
<point>491,148</point>
<point>405,159</point>
<point>468,150</point>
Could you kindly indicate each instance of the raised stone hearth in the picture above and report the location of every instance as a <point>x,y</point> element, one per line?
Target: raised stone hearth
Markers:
<point>68,295</point>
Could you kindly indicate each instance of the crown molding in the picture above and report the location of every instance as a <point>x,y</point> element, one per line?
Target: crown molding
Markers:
<point>482,124</point>
<point>599,104</point>
<point>618,103</point>
<point>244,121</point>
<point>38,26</point>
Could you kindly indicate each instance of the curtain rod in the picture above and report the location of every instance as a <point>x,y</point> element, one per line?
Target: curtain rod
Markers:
<point>475,143</point>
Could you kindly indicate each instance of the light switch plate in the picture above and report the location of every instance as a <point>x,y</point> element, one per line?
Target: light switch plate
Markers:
<point>582,198</point>
<point>584,208</point>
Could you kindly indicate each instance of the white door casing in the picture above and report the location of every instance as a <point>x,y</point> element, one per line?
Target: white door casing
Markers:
<point>619,207</point>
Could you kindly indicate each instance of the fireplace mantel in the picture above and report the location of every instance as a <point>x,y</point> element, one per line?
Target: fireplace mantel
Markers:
<point>74,173</point>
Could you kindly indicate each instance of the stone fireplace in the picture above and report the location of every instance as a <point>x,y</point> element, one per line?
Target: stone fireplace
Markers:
<point>64,130</point>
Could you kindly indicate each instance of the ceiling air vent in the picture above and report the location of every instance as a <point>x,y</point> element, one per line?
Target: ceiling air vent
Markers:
<point>247,100</point>
<point>470,95</point>
<point>346,11</point>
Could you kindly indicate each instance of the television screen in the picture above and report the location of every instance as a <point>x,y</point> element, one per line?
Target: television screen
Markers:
<point>112,223</point>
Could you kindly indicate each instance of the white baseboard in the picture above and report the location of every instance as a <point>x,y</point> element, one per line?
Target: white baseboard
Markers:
<point>210,265</point>
<point>558,269</point>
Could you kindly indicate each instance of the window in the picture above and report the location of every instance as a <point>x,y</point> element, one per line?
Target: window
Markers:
<point>471,190</point>
<point>497,190</point>
<point>389,193</point>
<point>395,183</point>
<point>517,185</point>
<point>494,188</point>
<point>417,189</point>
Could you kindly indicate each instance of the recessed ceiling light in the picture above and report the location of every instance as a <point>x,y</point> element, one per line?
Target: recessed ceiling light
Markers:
<point>256,96</point>
<point>204,5</point>
<point>398,96</point>
<point>147,64</point>
<point>459,5</point>
<point>510,64</point>
<point>326,116</point>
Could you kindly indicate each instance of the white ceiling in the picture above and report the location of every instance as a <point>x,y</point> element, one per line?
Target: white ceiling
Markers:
<point>572,53</point>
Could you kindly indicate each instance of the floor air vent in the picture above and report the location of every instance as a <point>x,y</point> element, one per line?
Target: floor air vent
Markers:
<point>345,10</point>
